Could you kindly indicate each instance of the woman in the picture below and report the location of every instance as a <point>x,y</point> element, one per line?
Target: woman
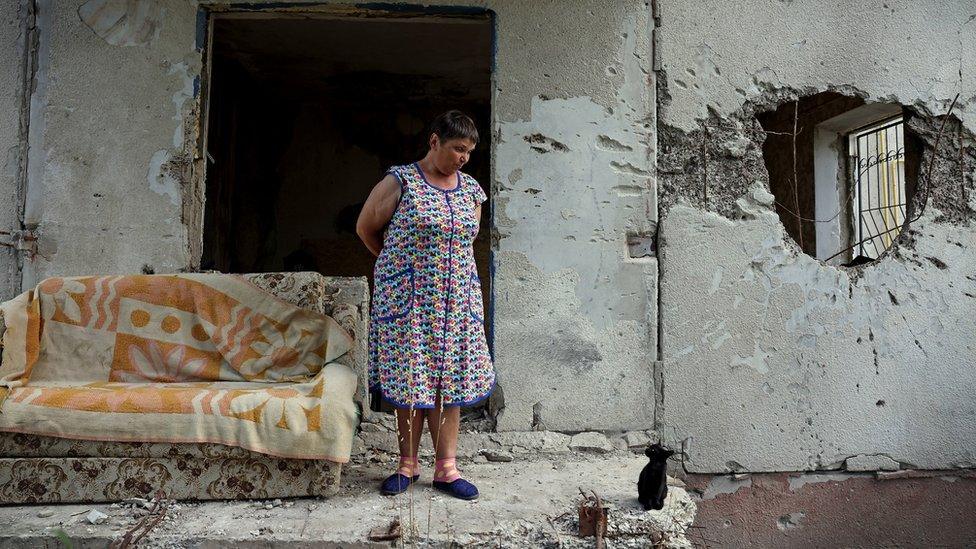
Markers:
<point>428,355</point>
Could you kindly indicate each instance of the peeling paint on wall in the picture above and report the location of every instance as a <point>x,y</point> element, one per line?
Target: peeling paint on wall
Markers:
<point>124,22</point>
<point>608,201</point>
<point>720,485</point>
<point>161,180</point>
<point>169,175</point>
<point>824,363</point>
<point>185,73</point>
<point>575,219</point>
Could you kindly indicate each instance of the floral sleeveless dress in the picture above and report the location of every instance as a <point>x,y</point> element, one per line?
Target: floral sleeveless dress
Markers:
<point>426,328</point>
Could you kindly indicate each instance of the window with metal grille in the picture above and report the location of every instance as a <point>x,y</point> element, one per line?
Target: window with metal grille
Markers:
<point>877,170</point>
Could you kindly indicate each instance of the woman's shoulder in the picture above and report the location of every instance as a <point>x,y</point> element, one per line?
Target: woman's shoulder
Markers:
<point>402,173</point>
<point>468,179</point>
<point>472,186</point>
<point>397,169</point>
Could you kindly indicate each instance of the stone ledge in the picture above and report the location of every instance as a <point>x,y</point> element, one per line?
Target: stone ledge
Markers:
<point>379,438</point>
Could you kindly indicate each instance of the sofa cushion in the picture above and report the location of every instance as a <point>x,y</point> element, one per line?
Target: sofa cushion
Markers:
<point>311,420</point>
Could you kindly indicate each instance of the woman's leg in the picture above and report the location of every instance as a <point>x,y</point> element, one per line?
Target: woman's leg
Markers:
<point>410,426</point>
<point>444,423</point>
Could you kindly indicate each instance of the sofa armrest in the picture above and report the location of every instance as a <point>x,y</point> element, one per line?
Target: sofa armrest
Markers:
<point>344,298</point>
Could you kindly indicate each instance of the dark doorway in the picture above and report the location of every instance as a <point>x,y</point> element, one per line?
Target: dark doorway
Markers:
<point>306,113</point>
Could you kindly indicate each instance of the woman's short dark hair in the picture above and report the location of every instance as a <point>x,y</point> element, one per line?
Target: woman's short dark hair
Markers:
<point>454,124</point>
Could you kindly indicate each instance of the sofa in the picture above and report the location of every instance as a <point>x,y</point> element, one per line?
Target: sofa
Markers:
<point>65,455</point>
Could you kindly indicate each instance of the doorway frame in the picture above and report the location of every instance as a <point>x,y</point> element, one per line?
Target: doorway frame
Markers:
<point>208,13</point>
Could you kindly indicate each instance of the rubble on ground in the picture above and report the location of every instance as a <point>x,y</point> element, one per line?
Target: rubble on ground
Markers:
<point>530,486</point>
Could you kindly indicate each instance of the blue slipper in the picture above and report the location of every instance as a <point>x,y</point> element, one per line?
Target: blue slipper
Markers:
<point>396,483</point>
<point>458,488</point>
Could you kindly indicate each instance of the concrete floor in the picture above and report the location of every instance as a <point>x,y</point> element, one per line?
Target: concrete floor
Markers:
<point>524,503</point>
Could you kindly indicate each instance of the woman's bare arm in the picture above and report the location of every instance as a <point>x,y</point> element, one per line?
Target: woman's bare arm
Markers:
<point>477,215</point>
<point>377,212</point>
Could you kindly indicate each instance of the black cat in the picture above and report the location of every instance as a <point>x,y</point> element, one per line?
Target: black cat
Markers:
<point>652,486</point>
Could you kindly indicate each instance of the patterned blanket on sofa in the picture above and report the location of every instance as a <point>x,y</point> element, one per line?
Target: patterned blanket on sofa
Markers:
<point>176,358</point>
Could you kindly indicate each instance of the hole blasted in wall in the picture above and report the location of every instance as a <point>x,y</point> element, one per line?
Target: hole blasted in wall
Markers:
<point>714,166</point>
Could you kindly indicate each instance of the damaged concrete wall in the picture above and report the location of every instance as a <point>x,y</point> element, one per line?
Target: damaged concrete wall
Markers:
<point>575,308</point>
<point>772,360</point>
<point>109,126</point>
<point>14,35</point>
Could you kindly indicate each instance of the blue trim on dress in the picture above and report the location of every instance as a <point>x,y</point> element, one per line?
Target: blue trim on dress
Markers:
<point>424,177</point>
<point>403,189</point>
<point>478,399</point>
<point>393,171</point>
<point>450,276</point>
<point>406,308</point>
<point>474,276</point>
<point>386,399</point>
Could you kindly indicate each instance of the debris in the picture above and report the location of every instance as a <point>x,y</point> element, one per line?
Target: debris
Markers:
<point>619,443</point>
<point>636,439</point>
<point>390,533</point>
<point>590,441</point>
<point>519,521</point>
<point>152,519</point>
<point>871,462</point>
<point>96,517</point>
<point>886,475</point>
<point>736,147</point>
<point>44,513</point>
<point>498,455</point>
<point>592,518</point>
<point>373,427</point>
<point>141,502</point>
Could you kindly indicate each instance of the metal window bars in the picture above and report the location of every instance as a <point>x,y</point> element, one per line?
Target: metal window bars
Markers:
<point>878,176</point>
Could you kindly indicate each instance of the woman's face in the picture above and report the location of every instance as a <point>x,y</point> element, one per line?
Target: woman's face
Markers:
<point>451,155</point>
